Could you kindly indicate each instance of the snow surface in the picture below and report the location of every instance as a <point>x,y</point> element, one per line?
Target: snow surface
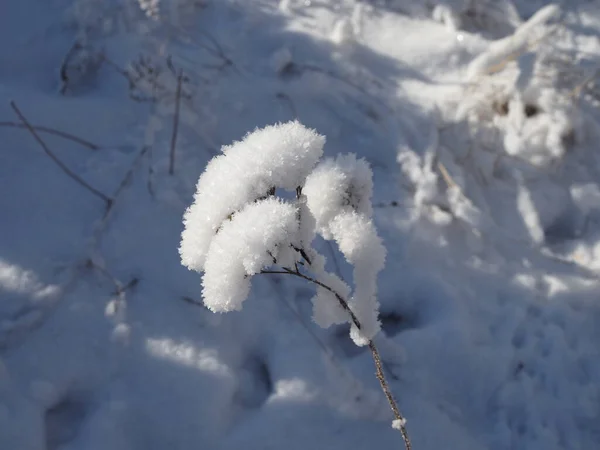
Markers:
<point>480,121</point>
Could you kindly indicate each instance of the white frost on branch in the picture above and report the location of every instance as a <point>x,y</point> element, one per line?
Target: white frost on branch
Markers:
<point>243,247</point>
<point>280,155</point>
<point>339,196</point>
<point>336,185</point>
<point>327,309</point>
<point>362,247</point>
<point>398,424</point>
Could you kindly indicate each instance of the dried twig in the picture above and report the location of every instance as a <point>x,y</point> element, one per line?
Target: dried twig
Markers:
<point>130,285</point>
<point>126,179</point>
<point>447,178</point>
<point>58,162</point>
<point>144,70</point>
<point>217,52</point>
<point>149,184</point>
<point>55,132</point>
<point>290,103</point>
<point>175,123</point>
<point>580,87</point>
<point>392,204</point>
<point>64,77</point>
<point>191,301</point>
<point>374,352</point>
<point>120,288</point>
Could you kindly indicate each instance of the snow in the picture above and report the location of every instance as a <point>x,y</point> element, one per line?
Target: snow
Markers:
<point>398,424</point>
<point>250,241</point>
<point>479,122</point>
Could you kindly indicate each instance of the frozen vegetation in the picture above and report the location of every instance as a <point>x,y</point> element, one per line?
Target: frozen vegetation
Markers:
<point>411,181</point>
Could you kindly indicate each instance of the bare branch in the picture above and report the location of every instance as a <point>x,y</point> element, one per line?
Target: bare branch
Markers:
<point>58,162</point>
<point>64,66</point>
<point>392,204</point>
<point>175,124</point>
<point>126,179</point>
<point>55,132</point>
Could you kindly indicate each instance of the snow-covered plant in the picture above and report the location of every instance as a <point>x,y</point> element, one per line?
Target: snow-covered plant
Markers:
<point>519,101</point>
<point>237,227</point>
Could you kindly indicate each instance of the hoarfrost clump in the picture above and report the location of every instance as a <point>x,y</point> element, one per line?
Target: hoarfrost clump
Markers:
<point>336,185</point>
<point>280,155</point>
<point>244,245</point>
<point>237,227</point>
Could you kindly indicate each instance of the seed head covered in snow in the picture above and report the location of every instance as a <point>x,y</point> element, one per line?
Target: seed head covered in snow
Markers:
<point>280,155</point>
<point>327,310</point>
<point>336,185</point>
<point>242,247</point>
<point>237,226</point>
<point>339,197</point>
<point>357,238</point>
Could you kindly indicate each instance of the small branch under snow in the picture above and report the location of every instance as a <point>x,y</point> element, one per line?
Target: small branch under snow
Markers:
<point>54,132</point>
<point>56,160</point>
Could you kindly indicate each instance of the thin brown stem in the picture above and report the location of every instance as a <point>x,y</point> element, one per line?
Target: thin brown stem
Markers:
<point>374,352</point>
<point>125,181</point>
<point>175,123</point>
<point>57,161</point>
<point>53,131</point>
<point>388,394</point>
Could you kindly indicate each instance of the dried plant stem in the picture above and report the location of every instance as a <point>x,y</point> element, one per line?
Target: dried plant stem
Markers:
<point>374,352</point>
<point>447,178</point>
<point>175,123</point>
<point>55,132</point>
<point>125,181</point>
<point>578,90</point>
<point>120,288</point>
<point>54,158</point>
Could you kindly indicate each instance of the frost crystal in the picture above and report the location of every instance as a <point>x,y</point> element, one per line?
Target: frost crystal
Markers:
<point>339,197</point>
<point>280,155</point>
<point>336,185</point>
<point>248,242</point>
<point>398,424</point>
